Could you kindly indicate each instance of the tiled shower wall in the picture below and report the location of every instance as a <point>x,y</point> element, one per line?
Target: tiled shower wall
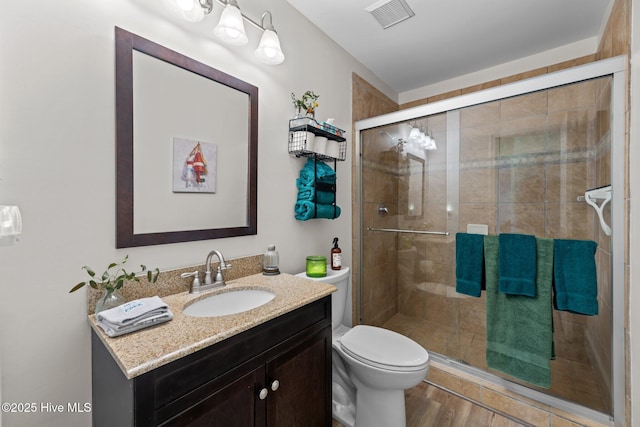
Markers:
<point>369,102</point>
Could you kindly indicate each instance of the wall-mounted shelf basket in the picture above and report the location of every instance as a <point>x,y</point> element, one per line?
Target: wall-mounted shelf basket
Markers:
<point>303,131</point>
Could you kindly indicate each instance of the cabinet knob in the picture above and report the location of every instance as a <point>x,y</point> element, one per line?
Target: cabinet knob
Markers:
<point>275,385</point>
<point>263,393</point>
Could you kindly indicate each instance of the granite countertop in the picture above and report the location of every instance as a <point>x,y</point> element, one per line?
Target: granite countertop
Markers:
<point>142,351</point>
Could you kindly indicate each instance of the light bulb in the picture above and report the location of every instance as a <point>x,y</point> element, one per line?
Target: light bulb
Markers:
<point>230,28</point>
<point>196,14</point>
<point>269,50</point>
<point>185,5</point>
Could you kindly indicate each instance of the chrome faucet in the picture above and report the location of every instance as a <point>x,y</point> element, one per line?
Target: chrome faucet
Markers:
<point>219,278</point>
<point>216,282</point>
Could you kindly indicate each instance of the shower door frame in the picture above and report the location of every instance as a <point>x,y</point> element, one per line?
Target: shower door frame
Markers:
<point>616,68</point>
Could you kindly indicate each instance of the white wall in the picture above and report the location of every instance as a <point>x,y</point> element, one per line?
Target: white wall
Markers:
<point>634,220</point>
<point>57,164</point>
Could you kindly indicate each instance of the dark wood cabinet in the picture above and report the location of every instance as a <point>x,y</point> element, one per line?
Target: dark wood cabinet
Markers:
<point>275,374</point>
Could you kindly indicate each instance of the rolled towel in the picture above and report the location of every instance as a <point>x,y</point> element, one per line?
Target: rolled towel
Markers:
<point>575,277</point>
<point>316,171</point>
<point>133,311</point>
<point>311,194</point>
<point>305,210</point>
<point>517,264</point>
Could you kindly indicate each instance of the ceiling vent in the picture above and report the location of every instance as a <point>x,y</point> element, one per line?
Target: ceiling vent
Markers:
<point>390,12</point>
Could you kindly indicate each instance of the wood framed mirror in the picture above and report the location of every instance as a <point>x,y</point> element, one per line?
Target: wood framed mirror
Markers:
<point>167,103</point>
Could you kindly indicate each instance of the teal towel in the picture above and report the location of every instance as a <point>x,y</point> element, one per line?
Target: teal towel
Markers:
<point>316,171</point>
<point>517,264</point>
<point>520,328</point>
<point>575,277</point>
<point>310,193</point>
<point>469,264</point>
<point>307,210</point>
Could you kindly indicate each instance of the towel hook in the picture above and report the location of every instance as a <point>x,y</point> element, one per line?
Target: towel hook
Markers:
<point>592,197</point>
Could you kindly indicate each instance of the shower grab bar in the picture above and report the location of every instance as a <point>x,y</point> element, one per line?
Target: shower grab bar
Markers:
<point>396,230</point>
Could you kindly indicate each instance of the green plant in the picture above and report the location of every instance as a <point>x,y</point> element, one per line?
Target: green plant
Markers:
<point>114,277</point>
<point>307,102</point>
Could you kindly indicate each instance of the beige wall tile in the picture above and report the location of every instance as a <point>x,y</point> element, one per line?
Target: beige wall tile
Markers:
<point>515,408</point>
<point>526,218</point>
<point>521,184</point>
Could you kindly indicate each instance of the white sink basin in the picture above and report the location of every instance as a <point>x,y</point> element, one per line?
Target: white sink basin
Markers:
<point>227,303</point>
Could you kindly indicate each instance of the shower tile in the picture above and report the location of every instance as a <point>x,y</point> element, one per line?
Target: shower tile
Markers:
<point>569,220</point>
<point>569,97</point>
<point>482,114</point>
<point>472,315</point>
<point>411,301</point>
<point>478,185</point>
<point>479,143</point>
<point>525,75</point>
<point>527,135</point>
<point>566,181</point>
<point>524,106</point>
<point>478,213</point>
<point>454,383</point>
<point>525,218</point>
<point>572,130</point>
<point>522,184</point>
<point>436,187</point>
<point>435,216</point>
<point>515,408</point>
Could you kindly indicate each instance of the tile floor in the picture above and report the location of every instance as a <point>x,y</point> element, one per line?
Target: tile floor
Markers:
<point>429,406</point>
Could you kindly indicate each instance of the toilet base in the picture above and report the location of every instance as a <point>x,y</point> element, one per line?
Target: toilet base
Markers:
<point>342,409</point>
<point>379,408</point>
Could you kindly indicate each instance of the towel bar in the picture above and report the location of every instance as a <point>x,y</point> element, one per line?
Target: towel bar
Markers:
<point>395,230</point>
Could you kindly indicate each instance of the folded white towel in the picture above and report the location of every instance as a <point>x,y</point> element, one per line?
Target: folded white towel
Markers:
<point>130,312</point>
<point>117,330</point>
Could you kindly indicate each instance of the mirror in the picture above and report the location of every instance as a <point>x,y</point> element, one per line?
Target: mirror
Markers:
<point>186,148</point>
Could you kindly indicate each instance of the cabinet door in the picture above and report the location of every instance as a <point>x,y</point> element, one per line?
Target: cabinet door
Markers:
<point>232,406</point>
<point>303,394</point>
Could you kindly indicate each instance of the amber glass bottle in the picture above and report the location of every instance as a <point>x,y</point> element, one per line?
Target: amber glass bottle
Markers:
<point>336,255</point>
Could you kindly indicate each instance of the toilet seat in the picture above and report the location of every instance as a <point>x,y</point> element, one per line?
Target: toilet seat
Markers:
<point>384,349</point>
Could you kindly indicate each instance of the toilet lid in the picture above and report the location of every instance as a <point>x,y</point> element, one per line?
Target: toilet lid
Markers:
<point>384,348</point>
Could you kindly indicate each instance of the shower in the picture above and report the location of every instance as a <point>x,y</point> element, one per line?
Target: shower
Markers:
<point>533,157</point>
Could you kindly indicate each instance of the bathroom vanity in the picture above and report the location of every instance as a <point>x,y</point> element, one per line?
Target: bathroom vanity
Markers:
<point>270,366</point>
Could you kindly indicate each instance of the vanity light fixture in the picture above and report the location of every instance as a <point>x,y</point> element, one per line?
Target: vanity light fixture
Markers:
<point>269,50</point>
<point>194,10</point>
<point>230,27</point>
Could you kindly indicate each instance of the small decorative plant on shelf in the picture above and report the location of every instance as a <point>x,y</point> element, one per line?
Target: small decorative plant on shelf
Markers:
<point>308,103</point>
<point>113,279</point>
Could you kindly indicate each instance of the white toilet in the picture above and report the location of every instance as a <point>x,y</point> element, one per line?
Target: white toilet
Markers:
<point>372,367</point>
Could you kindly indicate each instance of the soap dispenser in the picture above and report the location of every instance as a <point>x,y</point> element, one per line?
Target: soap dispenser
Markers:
<point>270,261</point>
<point>336,255</point>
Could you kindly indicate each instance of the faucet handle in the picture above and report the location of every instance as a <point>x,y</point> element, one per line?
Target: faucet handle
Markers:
<point>195,284</point>
<point>227,266</point>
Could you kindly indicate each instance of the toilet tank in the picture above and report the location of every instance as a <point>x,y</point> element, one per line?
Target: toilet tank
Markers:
<point>339,279</point>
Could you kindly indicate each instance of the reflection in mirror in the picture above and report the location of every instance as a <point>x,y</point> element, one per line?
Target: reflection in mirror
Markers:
<point>415,191</point>
<point>186,148</point>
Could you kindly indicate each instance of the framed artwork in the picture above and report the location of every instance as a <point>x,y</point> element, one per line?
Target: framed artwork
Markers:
<point>194,166</point>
